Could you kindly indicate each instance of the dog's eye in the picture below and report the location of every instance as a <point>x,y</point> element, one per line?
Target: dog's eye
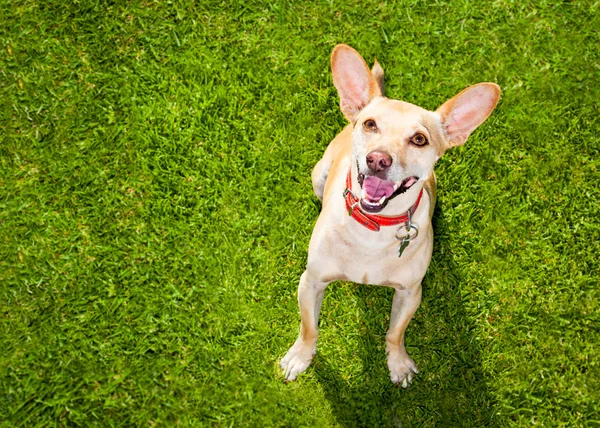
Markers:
<point>370,125</point>
<point>419,140</point>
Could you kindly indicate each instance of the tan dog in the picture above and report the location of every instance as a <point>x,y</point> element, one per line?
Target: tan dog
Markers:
<point>380,170</point>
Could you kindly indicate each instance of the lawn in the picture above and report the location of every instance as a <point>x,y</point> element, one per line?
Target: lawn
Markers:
<point>156,208</point>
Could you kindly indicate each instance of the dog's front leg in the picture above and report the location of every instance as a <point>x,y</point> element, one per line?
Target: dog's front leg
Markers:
<point>310,297</point>
<point>405,303</point>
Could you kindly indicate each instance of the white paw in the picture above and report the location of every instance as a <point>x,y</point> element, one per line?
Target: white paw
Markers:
<point>402,368</point>
<point>297,360</point>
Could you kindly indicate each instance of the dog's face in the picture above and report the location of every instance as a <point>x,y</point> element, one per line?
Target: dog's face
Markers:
<point>396,144</point>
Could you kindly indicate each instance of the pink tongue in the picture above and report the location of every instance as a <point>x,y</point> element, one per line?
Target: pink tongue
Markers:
<point>376,188</point>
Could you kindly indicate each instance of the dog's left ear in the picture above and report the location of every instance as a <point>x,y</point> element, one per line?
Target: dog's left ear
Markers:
<point>462,114</point>
<point>354,81</point>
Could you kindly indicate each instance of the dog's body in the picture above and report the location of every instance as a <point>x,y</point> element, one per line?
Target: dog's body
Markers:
<point>389,150</point>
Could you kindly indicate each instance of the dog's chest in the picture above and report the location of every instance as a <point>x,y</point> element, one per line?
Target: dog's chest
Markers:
<point>376,261</point>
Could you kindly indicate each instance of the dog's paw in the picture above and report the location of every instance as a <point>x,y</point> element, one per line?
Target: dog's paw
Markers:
<point>297,360</point>
<point>402,368</point>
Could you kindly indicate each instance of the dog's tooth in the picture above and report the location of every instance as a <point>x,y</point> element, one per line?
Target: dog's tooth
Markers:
<point>382,200</point>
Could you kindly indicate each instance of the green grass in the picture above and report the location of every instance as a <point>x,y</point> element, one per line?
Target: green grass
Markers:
<point>156,207</point>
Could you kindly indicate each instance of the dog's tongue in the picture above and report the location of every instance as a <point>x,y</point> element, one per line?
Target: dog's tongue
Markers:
<point>375,188</point>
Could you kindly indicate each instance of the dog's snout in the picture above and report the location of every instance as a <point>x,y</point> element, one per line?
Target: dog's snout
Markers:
<point>379,161</point>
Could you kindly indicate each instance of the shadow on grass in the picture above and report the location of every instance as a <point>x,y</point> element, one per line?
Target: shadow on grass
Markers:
<point>450,390</point>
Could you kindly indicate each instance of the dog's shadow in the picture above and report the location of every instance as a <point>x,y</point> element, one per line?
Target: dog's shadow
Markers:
<point>450,389</point>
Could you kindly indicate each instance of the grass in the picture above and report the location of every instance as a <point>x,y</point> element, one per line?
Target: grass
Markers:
<point>156,207</point>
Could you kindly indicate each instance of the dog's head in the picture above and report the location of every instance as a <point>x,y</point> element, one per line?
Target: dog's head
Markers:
<point>396,144</point>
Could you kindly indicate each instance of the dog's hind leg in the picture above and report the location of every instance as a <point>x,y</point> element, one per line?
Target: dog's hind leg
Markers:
<point>310,297</point>
<point>321,170</point>
<point>319,177</point>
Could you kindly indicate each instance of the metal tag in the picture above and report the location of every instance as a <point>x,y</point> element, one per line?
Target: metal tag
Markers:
<point>405,240</point>
<point>403,245</point>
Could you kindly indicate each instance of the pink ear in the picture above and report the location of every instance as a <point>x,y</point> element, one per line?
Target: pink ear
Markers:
<point>353,80</point>
<point>462,114</point>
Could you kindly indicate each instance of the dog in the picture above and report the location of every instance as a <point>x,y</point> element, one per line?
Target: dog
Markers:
<point>377,187</point>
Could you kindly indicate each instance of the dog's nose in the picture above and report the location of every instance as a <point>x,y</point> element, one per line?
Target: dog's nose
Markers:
<point>378,161</point>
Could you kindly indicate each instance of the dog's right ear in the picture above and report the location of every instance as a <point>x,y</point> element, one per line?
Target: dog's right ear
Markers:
<point>353,79</point>
<point>377,73</point>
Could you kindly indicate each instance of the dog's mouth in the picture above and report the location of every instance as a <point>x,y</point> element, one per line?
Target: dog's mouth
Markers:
<point>376,193</point>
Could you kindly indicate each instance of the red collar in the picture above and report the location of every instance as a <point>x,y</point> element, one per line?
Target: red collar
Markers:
<point>372,221</point>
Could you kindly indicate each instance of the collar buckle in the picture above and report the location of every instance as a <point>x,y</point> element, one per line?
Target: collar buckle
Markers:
<point>348,191</point>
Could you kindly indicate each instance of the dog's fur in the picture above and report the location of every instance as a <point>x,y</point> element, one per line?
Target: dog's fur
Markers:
<point>341,248</point>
